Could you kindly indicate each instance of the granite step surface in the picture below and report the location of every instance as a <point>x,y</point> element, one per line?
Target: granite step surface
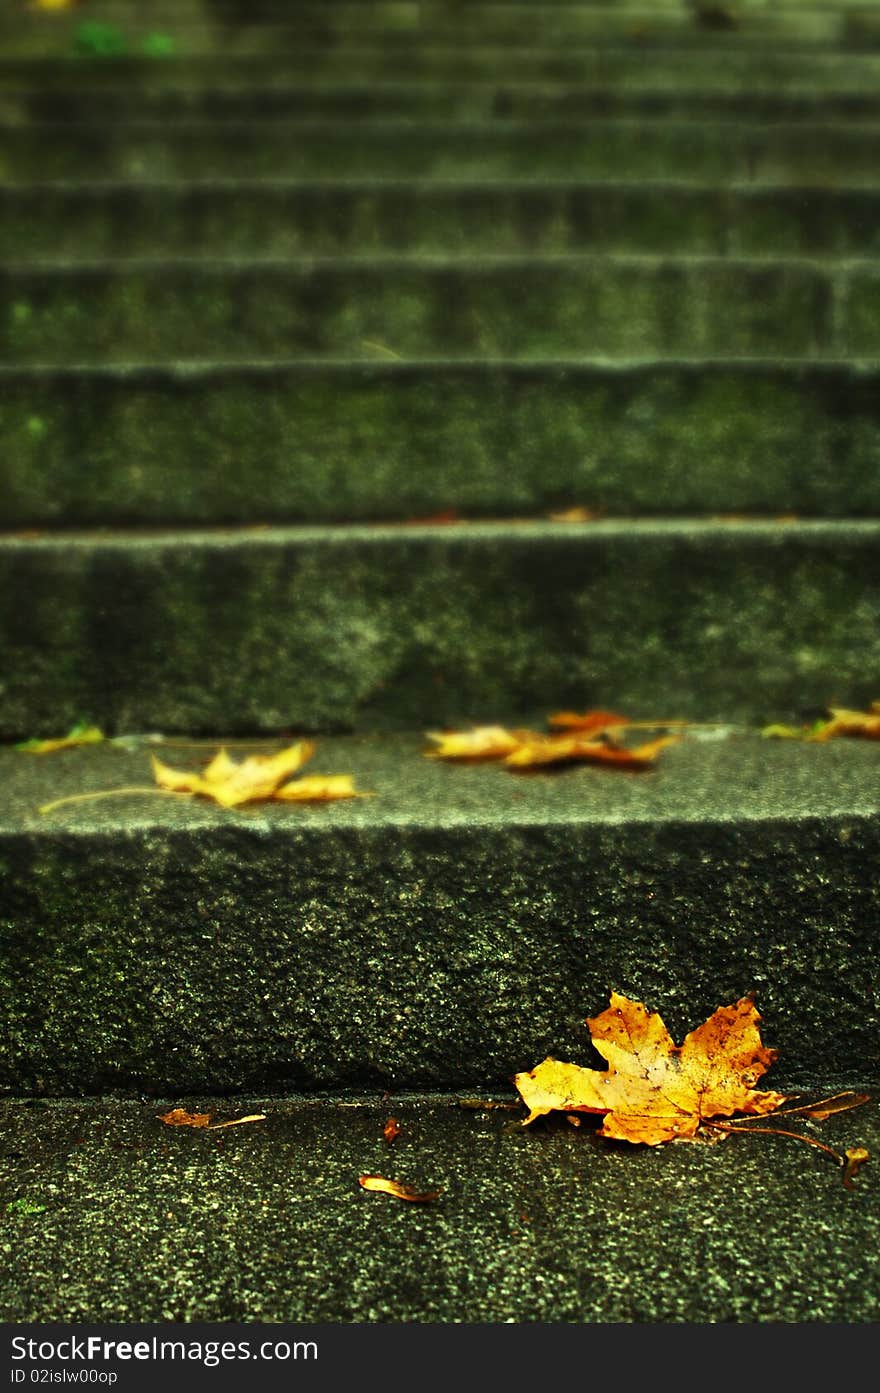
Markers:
<point>376,627</point>
<point>524,307</point>
<point>262,218</point>
<point>825,153</point>
<point>110,1216</point>
<point>504,23</point>
<point>384,440</point>
<point>624,64</point>
<point>475,100</point>
<point>453,928</point>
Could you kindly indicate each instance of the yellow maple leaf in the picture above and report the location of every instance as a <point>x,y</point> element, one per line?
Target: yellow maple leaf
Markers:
<point>259,778</point>
<point>655,1091</point>
<point>566,749</point>
<point>397,1188</point>
<point>80,734</point>
<point>481,742</point>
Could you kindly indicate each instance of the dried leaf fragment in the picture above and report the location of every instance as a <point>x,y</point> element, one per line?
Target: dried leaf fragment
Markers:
<point>566,749</point>
<point>258,778</point>
<point>655,1091</point>
<point>391,1129</point>
<point>80,734</point>
<point>395,1187</point>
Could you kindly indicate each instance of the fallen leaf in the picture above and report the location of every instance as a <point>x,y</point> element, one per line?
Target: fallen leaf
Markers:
<point>258,778</point>
<point>391,1129</point>
<point>576,514</point>
<point>179,1117</point>
<point>565,749</point>
<point>861,724</point>
<point>80,734</point>
<point>655,1091</point>
<point>481,742</point>
<point>856,1157</point>
<point>394,1187</point>
<point>589,722</point>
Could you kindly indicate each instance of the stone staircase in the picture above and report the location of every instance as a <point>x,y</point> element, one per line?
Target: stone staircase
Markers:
<point>316,322</point>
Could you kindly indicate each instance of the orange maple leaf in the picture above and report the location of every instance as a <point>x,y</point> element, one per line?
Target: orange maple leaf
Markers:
<point>258,778</point>
<point>588,722</point>
<point>654,1090</point>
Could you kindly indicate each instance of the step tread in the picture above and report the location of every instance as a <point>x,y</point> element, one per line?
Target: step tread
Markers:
<point>547,1225</point>
<point>711,777</point>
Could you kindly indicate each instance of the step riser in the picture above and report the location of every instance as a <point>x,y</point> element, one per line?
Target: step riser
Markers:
<point>256,220</point>
<point>522,309</point>
<point>191,962</point>
<point>828,154</point>
<point>397,441</point>
<point>741,68</point>
<point>477,25</point>
<point>391,628</point>
<point>472,101</point>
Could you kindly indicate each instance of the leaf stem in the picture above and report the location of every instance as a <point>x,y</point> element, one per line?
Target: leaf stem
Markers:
<point>780,1132</point>
<point>108,793</point>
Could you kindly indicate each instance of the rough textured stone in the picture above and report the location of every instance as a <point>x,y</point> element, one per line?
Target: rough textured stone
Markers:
<point>825,152</point>
<point>267,1223</point>
<point>454,928</point>
<point>394,627</point>
<point>287,218</point>
<point>514,307</point>
<point>324,443</point>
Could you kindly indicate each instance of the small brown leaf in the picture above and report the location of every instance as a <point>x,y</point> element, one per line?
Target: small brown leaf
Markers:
<point>856,1157</point>
<point>179,1117</point>
<point>391,1129</point>
<point>394,1187</point>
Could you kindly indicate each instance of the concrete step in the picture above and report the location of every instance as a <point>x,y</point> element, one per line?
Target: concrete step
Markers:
<point>827,153</point>
<point>626,64</point>
<point>497,21</point>
<point>76,221</point>
<point>312,442</point>
<point>384,627</point>
<point>546,1224</point>
<point>501,24</point>
<point>453,99</point>
<point>451,930</point>
<point>530,308</point>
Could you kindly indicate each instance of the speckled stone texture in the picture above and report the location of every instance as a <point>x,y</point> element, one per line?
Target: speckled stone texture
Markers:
<point>392,627</point>
<point>449,931</point>
<point>267,1222</point>
<point>311,442</point>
